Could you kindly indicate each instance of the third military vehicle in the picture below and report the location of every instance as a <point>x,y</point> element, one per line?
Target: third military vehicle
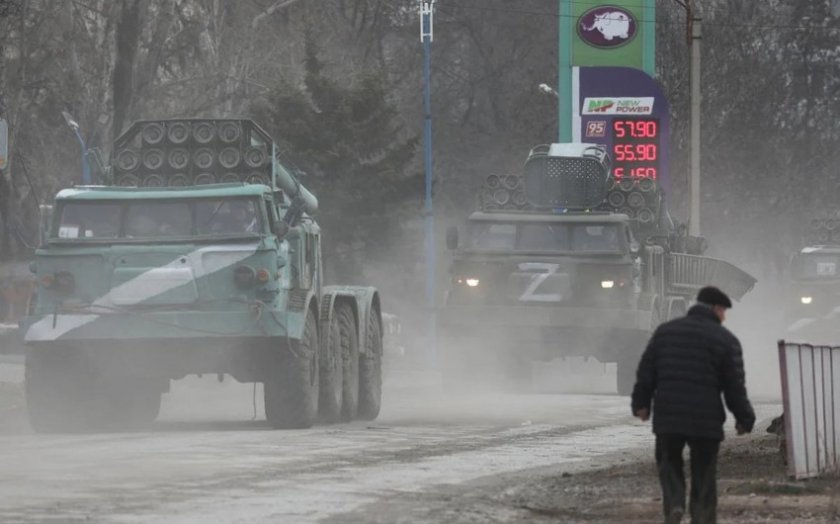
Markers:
<point>564,260</point>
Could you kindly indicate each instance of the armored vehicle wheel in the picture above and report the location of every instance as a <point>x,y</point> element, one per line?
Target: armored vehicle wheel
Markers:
<point>518,373</point>
<point>125,404</point>
<point>626,376</point>
<point>291,392</point>
<point>56,394</point>
<point>332,377</point>
<point>370,371</point>
<point>350,361</point>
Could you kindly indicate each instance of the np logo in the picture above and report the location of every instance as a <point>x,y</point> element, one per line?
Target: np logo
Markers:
<point>607,26</point>
<point>600,105</point>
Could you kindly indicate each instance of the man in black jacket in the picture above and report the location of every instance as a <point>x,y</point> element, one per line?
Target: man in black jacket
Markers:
<point>688,362</point>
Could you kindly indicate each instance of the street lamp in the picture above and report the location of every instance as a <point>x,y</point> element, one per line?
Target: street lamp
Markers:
<point>548,90</point>
<point>75,127</point>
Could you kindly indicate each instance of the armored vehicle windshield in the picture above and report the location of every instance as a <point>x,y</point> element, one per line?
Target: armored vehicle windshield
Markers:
<point>146,219</point>
<point>546,236</point>
<point>822,264</point>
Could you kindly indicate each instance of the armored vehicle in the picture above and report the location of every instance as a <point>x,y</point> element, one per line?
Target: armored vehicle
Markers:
<point>198,254</point>
<point>813,291</point>
<point>564,260</point>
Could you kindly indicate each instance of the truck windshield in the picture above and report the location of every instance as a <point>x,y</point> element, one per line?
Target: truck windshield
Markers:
<point>146,219</point>
<point>546,236</point>
<point>817,265</point>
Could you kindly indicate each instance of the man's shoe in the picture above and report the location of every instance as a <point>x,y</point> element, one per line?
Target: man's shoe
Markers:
<point>675,516</point>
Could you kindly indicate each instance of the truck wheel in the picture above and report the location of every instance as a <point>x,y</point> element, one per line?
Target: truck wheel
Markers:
<point>55,396</point>
<point>332,378</point>
<point>350,361</point>
<point>519,374</point>
<point>126,405</point>
<point>370,371</point>
<point>291,393</point>
<point>625,371</point>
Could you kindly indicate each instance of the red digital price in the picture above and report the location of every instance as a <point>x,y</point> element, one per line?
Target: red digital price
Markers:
<point>636,172</point>
<point>636,128</point>
<point>635,150</point>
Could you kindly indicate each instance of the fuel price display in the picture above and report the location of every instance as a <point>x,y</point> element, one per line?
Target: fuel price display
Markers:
<point>635,147</point>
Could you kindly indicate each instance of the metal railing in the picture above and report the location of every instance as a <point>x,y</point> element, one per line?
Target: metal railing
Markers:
<point>691,272</point>
<point>811,396</point>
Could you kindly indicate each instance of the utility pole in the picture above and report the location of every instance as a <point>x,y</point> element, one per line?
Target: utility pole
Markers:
<point>694,220</point>
<point>693,36</point>
<point>427,9</point>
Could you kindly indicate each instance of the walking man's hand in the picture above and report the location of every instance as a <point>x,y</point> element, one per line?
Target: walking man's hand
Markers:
<point>643,414</point>
<point>740,429</point>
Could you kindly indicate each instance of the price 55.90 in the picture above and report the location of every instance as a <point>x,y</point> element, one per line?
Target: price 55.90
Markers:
<point>635,152</point>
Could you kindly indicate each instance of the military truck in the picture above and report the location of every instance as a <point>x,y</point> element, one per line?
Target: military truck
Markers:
<point>813,285</point>
<point>563,260</point>
<point>197,254</point>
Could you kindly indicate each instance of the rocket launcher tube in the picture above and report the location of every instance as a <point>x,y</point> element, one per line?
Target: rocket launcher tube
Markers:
<point>294,189</point>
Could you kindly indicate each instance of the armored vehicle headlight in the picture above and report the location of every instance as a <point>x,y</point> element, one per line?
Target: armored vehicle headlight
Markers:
<point>806,300</point>
<point>263,276</point>
<point>244,275</point>
<point>608,284</point>
<point>472,282</point>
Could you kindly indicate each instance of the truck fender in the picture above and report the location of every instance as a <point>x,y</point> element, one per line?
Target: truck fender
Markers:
<point>675,307</point>
<point>295,318</point>
<point>365,303</point>
<point>650,304</point>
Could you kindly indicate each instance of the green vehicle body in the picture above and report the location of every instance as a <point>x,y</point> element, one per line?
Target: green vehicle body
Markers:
<point>556,279</point>
<point>138,286</point>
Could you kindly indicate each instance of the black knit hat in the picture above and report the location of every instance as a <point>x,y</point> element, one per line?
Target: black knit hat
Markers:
<point>713,296</point>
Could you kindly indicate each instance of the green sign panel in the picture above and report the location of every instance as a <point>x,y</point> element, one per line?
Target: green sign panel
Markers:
<point>614,33</point>
<point>617,33</point>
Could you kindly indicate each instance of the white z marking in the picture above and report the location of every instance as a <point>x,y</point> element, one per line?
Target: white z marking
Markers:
<point>537,280</point>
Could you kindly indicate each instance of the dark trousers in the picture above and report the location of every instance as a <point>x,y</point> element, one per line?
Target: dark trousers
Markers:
<point>669,462</point>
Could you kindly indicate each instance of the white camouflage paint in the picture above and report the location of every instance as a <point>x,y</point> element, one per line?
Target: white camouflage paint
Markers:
<point>142,287</point>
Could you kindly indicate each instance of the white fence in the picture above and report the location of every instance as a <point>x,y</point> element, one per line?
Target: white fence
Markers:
<point>811,395</point>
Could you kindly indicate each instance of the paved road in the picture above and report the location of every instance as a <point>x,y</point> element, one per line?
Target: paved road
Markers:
<point>207,461</point>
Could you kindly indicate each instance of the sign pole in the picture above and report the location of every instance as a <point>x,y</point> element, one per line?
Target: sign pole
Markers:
<point>564,83</point>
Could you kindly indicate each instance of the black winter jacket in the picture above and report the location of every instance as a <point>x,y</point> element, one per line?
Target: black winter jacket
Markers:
<point>688,362</point>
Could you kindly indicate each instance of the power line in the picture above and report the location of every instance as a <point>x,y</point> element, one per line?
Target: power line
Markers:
<point>556,14</point>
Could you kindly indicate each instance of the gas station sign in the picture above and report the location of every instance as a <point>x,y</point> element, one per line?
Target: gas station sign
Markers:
<point>626,110</point>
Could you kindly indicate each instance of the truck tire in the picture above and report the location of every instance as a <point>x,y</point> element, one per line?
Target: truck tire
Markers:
<point>625,371</point>
<point>520,376</point>
<point>124,404</point>
<point>370,371</point>
<point>350,360</point>
<point>331,371</point>
<point>56,396</point>
<point>291,393</point>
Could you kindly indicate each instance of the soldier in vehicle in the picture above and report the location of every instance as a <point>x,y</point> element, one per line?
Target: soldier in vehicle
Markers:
<point>236,217</point>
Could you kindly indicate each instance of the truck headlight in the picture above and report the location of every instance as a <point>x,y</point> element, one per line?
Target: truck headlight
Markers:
<point>607,284</point>
<point>472,282</point>
<point>806,300</point>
